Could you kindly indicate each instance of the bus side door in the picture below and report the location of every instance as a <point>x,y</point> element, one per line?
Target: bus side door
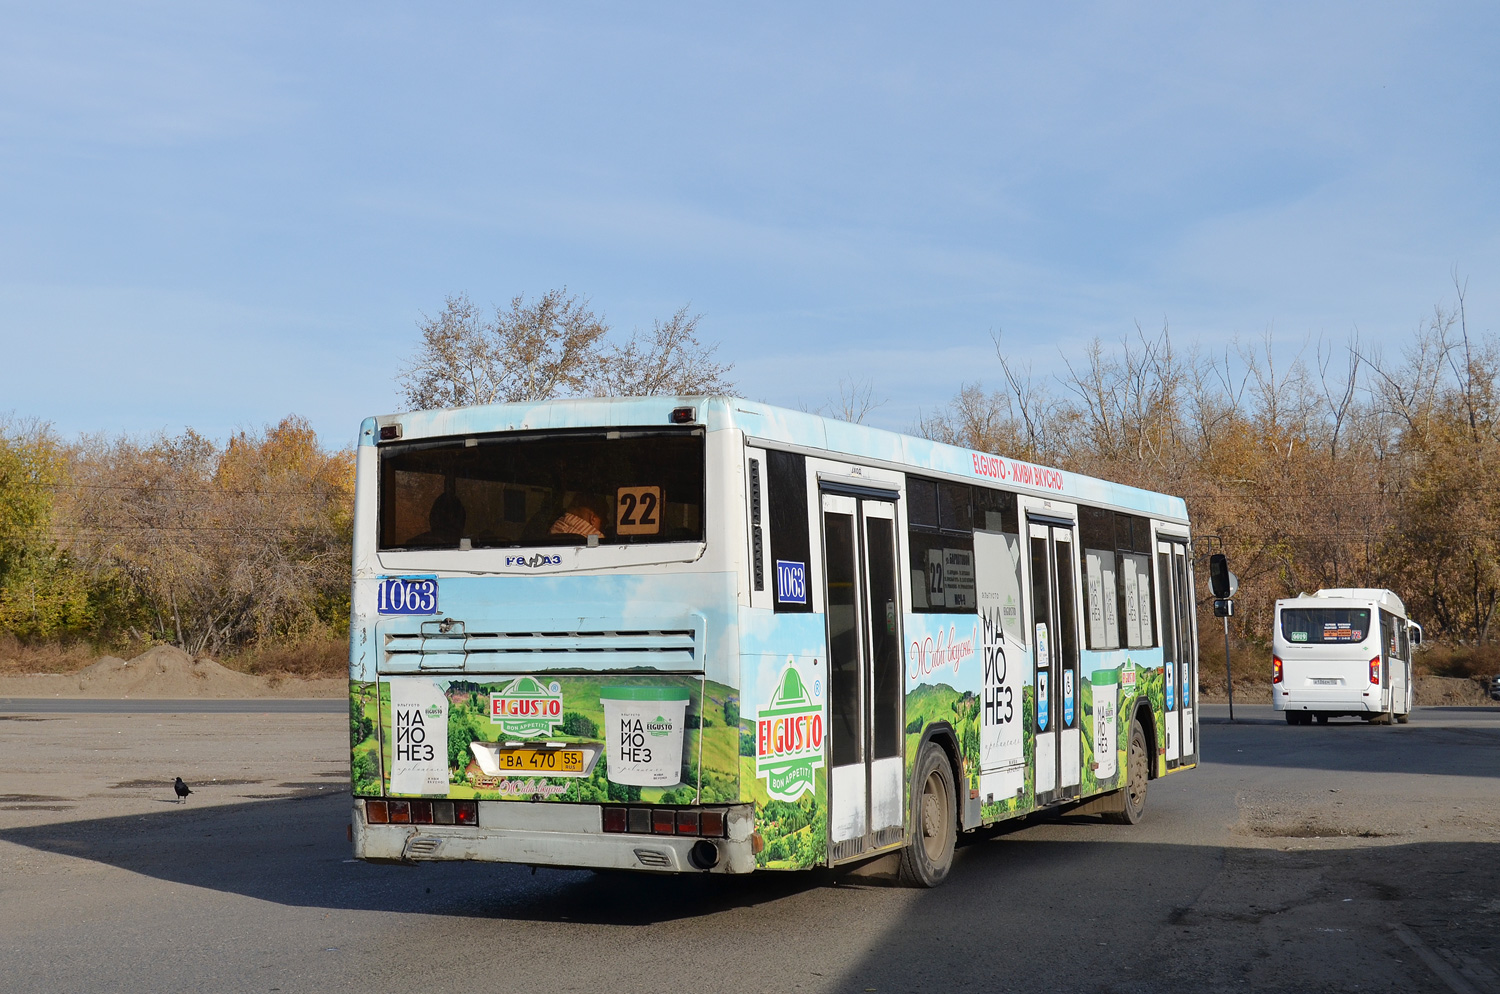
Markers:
<point>867,785</point>
<point>1055,638</point>
<point>1179,649</point>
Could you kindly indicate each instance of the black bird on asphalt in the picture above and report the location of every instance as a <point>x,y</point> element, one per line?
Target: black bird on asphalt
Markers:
<point>183,790</point>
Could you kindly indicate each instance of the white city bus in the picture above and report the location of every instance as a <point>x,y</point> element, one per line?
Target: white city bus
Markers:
<point>1344,651</point>
<point>701,634</point>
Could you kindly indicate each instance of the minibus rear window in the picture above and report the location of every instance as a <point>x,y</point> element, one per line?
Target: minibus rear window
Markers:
<point>1325,625</point>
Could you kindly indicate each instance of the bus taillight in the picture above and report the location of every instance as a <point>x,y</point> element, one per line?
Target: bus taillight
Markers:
<point>703,822</point>
<point>1375,670</point>
<point>422,812</point>
<point>1276,672</point>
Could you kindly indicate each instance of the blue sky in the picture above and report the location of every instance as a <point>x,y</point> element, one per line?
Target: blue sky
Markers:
<point>216,214</point>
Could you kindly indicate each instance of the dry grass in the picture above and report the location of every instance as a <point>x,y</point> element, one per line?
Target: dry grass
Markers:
<point>1469,661</point>
<point>319,656</point>
<point>18,658</point>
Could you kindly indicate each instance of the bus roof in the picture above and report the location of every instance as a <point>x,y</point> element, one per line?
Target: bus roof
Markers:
<point>783,427</point>
<point>1359,595</point>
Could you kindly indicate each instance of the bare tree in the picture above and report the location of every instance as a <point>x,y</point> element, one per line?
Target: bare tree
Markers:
<point>1339,392</point>
<point>531,351</point>
<point>855,401</point>
<point>671,360</point>
<point>1035,412</point>
<point>553,347</point>
<point>455,365</point>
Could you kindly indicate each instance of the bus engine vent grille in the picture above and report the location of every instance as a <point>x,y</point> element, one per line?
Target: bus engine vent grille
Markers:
<point>654,857</point>
<point>422,846</point>
<point>887,836</point>
<point>529,651</point>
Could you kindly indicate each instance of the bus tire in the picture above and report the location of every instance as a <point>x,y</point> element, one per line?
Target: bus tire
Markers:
<point>1137,771</point>
<point>934,816</point>
<point>1322,718</point>
<point>1402,719</point>
<point>1292,718</point>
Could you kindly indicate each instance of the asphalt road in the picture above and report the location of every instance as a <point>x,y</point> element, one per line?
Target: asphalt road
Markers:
<point>1328,858</point>
<point>126,705</point>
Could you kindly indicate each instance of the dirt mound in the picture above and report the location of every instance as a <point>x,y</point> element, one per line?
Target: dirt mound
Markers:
<point>164,672</point>
<point>1435,691</point>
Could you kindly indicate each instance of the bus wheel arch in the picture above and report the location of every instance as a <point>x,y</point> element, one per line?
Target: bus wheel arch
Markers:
<point>933,809</point>
<point>942,734</point>
<point>1130,806</point>
<point>1146,720</point>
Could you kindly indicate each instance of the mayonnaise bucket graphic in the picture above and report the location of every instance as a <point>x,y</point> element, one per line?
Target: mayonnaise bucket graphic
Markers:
<point>1106,684</point>
<point>643,734</point>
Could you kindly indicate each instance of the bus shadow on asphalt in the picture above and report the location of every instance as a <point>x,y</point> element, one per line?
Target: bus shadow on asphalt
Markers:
<point>1025,914</point>
<point>294,851</point>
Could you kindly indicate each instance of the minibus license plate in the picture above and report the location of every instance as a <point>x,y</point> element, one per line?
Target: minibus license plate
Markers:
<point>543,760</point>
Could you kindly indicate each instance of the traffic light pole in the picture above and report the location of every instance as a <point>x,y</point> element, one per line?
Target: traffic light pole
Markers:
<point>1223,585</point>
<point>1228,673</point>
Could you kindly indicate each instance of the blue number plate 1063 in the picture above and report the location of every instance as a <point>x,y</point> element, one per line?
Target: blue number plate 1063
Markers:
<point>407,595</point>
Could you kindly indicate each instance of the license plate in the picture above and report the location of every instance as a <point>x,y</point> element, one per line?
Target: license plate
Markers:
<point>543,760</point>
<point>1325,682</point>
<point>407,595</point>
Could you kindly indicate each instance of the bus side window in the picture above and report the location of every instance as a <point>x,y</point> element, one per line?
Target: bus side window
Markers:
<point>996,511</point>
<point>940,533</point>
<point>786,500</point>
<point>1118,594</point>
<point>1101,596</point>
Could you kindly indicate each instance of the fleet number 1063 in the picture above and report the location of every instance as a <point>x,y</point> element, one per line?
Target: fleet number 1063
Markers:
<point>407,595</point>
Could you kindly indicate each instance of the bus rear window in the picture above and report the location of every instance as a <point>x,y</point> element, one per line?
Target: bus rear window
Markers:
<point>1325,625</point>
<point>624,487</point>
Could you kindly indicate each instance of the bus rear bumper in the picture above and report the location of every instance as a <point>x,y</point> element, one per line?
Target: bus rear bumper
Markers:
<point>509,833</point>
<point>1333,701</point>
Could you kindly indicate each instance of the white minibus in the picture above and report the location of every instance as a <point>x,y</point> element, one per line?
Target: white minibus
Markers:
<point>1345,651</point>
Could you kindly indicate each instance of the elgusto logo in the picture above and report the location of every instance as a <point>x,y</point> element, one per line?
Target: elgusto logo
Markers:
<point>789,738</point>
<point>526,708</point>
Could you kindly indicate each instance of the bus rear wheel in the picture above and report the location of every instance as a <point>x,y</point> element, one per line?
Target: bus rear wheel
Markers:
<point>934,811</point>
<point>1133,797</point>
